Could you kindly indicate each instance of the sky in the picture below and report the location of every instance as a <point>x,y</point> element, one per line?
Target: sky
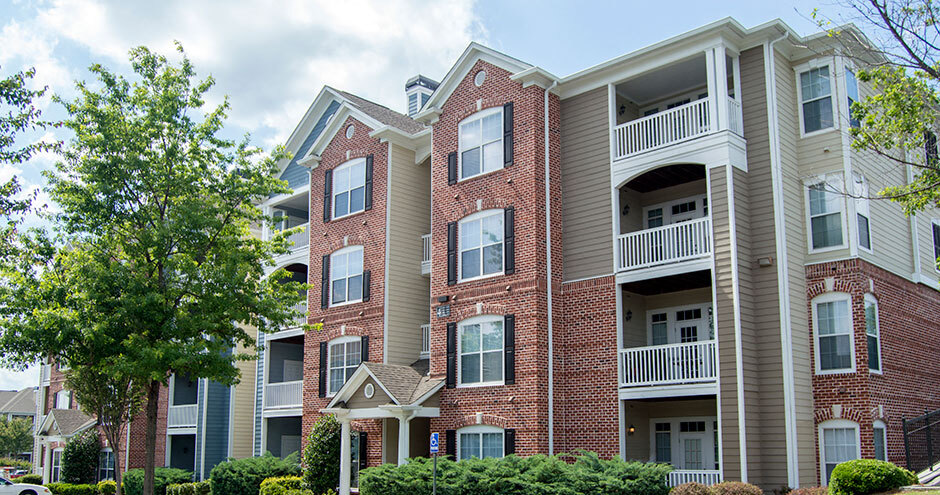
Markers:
<point>271,58</point>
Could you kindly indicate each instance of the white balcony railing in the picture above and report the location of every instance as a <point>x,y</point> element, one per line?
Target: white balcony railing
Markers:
<point>301,314</point>
<point>703,476</point>
<point>182,416</point>
<point>301,239</point>
<point>283,394</point>
<point>670,364</point>
<point>667,244</point>
<point>735,119</point>
<point>426,254</point>
<point>425,341</point>
<point>662,129</point>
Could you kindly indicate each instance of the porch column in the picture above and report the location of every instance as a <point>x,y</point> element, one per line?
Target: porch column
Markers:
<point>345,457</point>
<point>404,424</point>
<point>721,88</point>
<point>46,462</point>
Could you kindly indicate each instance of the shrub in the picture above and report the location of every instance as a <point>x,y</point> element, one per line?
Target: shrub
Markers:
<point>244,476</point>
<point>107,487</point>
<point>815,490</point>
<point>691,488</point>
<point>511,474</point>
<point>32,479</point>
<point>863,476</point>
<point>197,488</point>
<point>18,464</point>
<point>70,489</point>
<point>80,458</point>
<point>735,488</point>
<point>133,480</point>
<point>281,485</point>
<point>321,455</point>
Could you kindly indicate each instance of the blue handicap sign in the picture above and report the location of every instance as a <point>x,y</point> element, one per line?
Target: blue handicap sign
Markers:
<point>435,443</point>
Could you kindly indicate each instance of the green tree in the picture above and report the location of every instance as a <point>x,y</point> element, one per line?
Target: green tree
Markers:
<point>16,436</point>
<point>80,458</point>
<point>322,455</point>
<point>158,272</point>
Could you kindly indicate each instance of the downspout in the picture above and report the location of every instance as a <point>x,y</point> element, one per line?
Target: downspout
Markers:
<point>548,270</point>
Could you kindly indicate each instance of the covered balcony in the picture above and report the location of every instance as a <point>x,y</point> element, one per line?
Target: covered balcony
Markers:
<point>291,211</point>
<point>184,393</point>
<point>284,373</point>
<point>298,273</point>
<point>426,254</point>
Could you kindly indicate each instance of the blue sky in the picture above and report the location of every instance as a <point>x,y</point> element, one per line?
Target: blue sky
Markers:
<point>272,57</point>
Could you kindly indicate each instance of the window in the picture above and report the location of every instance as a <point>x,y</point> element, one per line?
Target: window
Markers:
<point>344,357</point>
<point>106,464</point>
<point>63,399</point>
<point>862,212</point>
<point>480,442</point>
<point>481,143</point>
<point>851,87</point>
<point>481,350</point>
<point>56,468</point>
<point>354,463</point>
<point>935,226</point>
<point>663,442</point>
<point>349,188</point>
<point>654,218</point>
<point>816,98</point>
<point>481,244</point>
<point>833,331</point>
<point>659,327</point>
<point>838,443</point>
<point>825,213</point>
<point>880,439</point>
<point>346,276</point>
<point>872,333</point>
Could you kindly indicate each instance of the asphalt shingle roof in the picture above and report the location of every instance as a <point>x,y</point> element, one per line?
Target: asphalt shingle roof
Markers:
<point>70,421</point>
<point>383,114</point>
<point>404,382</point>
<point>22,402</point>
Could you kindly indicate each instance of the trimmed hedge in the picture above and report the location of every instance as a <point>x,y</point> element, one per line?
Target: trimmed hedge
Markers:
<point>107,487</point>
<point>197,488</point>
<point>690,488</point>
<point>281,485</point>
<point>537,474</point>
<point>864,476</point>
<point>814,490</point>
<point>735,488</point>
<point>133,480</point>
<point>244,476</point>
<point>70,489</point>
<point>32,479</point>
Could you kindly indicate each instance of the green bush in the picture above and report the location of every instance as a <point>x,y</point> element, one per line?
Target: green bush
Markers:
<point>321,455</point>
<point>735,488</point>
<point>690,488</point>
<point>18,464</point>
<point>244,476</point>
<point>133,480</point>
<point>32,479</point>
<point>815,490</point>
<point>80,458</point>
<point>107,487</point>
<point>70,489</point>
<point>537,474</point>
<point>864,476</point>
<point>281,485</point>
<point>197,488</point>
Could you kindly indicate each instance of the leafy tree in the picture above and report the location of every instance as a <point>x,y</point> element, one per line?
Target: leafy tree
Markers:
<point>157,270</point>
<point>16,436</point>
<point>80,458</point>
<point>322,455</point>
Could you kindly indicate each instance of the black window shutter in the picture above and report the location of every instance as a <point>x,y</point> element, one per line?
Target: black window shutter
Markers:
<point>509,441</point>
<point>364,348</point>
<point>363,436</point>
<point>451,355</point>
<point>322,389</point>
<point>327,195</point>
<point>507,134</point>
<point>930,148</point>
<point>451,253</point>
<point>509,348</point>
<point>450,443</point>
<point>325,283</point>
<point>509,239</point>
<point>452,168</point>
<point>366,285</point>
<point>368,192</point>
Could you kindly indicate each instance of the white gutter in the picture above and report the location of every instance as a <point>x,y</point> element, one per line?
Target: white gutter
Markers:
<point>738,332</point>
<point>388,241</point>
<point>548,262</point>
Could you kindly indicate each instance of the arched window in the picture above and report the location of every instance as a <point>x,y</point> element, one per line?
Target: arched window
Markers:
<point>480,348</point>
<point>838,442</point>
<point>832,331</point>
<point>480,441</point>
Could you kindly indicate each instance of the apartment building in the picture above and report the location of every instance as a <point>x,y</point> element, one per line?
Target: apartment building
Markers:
<point>670,256</point>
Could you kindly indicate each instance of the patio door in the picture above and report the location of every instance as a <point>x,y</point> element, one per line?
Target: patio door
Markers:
<point>694,446</point>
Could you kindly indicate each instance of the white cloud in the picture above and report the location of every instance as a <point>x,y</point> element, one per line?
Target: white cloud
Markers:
<point>18,380</point>
<point>25,46</point>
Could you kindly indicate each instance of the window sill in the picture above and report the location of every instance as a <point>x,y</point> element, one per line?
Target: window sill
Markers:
<point>348,215</point>
<point>820,132</point>
<point>481,277</point>
<point>876,372</point>
<point>481,385</point>
<point>483,174</point>
<point>345,303</point>
<point>843,371</point>
<point>827,249</point>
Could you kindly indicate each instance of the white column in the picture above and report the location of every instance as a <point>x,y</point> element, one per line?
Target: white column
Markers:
<point>404,424</point>
<point>46,463</point>
<point>721,88</point>
<point>345,458</point>
<point>710,80</point>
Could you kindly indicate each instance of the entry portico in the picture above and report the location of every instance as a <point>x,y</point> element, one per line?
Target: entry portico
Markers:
<point>388,392</point>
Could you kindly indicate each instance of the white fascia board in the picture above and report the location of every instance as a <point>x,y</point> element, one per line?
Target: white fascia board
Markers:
<point>536,76</point>
<point>336,123</point>
<point>429,393</point>
<point>394,135</point>
<point>355,381</point>
<point>306,124</point>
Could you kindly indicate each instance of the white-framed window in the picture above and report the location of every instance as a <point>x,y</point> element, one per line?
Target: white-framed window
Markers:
<point>346,276</point>
<point>349,188</point>
<point>680,324</point>
<point>832,329</point>
<point>685,442</point>
<point>480,245</point>
<point>106,464</point>
<point>873,333</point>
<point>880,439</point>
<point>480,349</point>
<point>824,207</point>
<point>815,88</point>
<point>63,399</point>
<point>862,212</point>
<point>851,89</point>
<point>838,442</point>
<point>55,471</point>
<point>663,438</point>
<point>675,211</point>
<point>481,143</point>
<point>480,441</point>
<point>345,354</point>
<point>935,230</point>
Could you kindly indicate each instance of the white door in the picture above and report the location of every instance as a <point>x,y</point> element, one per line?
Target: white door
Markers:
<point>694,446</point>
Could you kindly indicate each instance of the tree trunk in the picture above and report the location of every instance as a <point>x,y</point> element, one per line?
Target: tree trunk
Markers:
<point>113,434</point>
<point>150,444</point>
<point>117,469</point>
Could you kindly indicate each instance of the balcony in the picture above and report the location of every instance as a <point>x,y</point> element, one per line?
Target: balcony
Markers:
<point>301,313</point>
<point>684,241</point>
<point>671,364</point>
<point>703,476</point>
<point>283,394</point>
<point>300,240</point>
<point>182,416</point>
<point>426,254</point>
<point>425,341</point>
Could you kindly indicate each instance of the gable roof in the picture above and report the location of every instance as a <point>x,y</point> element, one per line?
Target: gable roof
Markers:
<point>383,114</point>
<point>65,423</point>
<point>22,402</point>
<point>403,384</point>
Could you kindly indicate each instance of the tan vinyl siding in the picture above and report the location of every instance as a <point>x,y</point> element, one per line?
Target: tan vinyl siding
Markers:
<point>890,229</point>
<point>360,401</point>
<point>795,228</point>
<point>409,292</point>
<point>928,263</point>
<point>585,177</point>
<point>243,404</point>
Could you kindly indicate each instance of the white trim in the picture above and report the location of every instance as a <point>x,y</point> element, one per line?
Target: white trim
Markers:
<point>670,391</point>
<point>666,206</point>
<point>933,244</point>
<point>799,70</point>
<point>548,278</point>
<point>204,386</point>
<point>738,344</point>
<point>480,320</point>
<point>282,413</point>
<point>478,117</point>
<point>834,183</point>
<point>380,412</point>
<point>388,253</point>
<point>345,110</point>
<point>830,297</point>
<point>860,191</point>
<point>346,251</point>
<point>870,299</point>
<point>341,168</point>
<point>714,292</point>
<point>675,446</point>
<point>481,215</point>
<point>671,321</point>
<point>346,339</point>
<point>834,424</point>
<point>876,425</point>
<point>480,430</point>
